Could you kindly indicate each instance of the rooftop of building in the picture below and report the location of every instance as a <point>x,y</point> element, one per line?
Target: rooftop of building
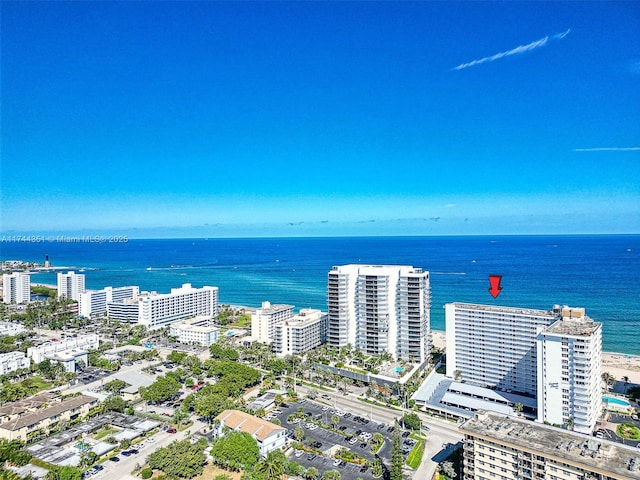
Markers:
<point>580,327</point>
<point>374,268</point>
<point>54,410</point>
<point>553,442</point>
<point>503,309</point>
<point>254,426</point>
<point>26,404</point>
<point>268,307</point>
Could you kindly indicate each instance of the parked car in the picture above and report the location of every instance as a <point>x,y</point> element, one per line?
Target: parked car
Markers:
<point>126,453</point>
<point>172,430</point>
<point>114,459</point>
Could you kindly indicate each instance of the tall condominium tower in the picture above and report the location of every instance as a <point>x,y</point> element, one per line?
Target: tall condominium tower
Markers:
<point>94,302</point>
<point>569,371</point>
<point>264,320</point>
<point>70,285</point>
<point>16,287</point>
<point>494,346</point>
<point>380,308</point>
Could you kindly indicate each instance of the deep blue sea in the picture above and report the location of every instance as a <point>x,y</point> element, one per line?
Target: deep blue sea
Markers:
<point>600,273</point>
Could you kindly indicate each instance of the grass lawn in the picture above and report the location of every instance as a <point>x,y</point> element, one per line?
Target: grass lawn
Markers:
<point>105,433</point>
<point>415,456</point>
<point>628,430</point>
<point>37,384</point>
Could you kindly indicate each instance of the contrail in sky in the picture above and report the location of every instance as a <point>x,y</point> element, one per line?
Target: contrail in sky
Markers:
<point>607,149</point>
<point>515,51</point>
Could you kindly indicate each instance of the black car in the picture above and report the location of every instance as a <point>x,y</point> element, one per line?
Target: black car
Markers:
<point>311,456</point>
<point>317,444</point>
<point>115,459</point>
<point>363,469</point>
<point>381,426</point>
<point>135,451</point>
<point>98,468</point>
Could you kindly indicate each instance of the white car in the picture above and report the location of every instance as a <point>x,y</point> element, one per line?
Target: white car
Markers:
<point>336,462</point>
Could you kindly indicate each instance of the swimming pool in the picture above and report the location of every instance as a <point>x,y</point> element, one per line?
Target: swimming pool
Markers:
<point>616,401</point>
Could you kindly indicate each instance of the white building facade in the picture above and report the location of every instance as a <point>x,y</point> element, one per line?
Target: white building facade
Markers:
<point>12,361</point>
<point>11,329</point>
<point>195,331</point>
<point>380,308</point>
<point>157,310</point>
<point>569,371</point>
<point>16,287</point>
<point>494,346</point>
<point>303,332</point>
<point>93,303</point>
<point>80,343</point>
<point>70,285</point>
<point>265,319</point>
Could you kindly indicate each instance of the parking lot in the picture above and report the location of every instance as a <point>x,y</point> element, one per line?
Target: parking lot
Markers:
<point>608,432</point>
<point>358,433</point>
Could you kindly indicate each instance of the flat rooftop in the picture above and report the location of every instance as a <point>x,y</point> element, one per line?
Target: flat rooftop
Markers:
<point>552,442</point>
<point>510,310</point>
<point>583,327</point>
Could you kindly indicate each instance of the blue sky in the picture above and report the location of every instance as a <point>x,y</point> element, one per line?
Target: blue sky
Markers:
<point>320,118</point>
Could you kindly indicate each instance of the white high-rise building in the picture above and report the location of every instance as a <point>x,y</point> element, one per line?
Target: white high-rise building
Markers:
<point>569,371</point>
<point>94,302</point>
<point>156,310</point>
<point>303,332</point>
<point>264,320</point>
<point>70,285</point>
<point>380,308</point>
<point>494,346</point>
<point>16,287</point>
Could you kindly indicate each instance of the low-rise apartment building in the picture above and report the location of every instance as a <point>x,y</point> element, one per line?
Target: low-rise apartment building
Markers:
<point>12,361</point>
<point>195,331</point>
<point>268,435</point>
<point>29,423</point>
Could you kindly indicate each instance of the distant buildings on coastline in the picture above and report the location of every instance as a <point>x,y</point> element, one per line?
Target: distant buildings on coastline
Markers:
<point>380,309</point>
<point>93,303</point>
<point>70,285</point>
<point>16,288</point>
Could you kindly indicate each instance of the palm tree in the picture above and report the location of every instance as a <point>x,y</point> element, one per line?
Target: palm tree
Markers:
<point>335,419</point>
<point>272,467</point>
<point>517,407</point>
<point>311,473</point>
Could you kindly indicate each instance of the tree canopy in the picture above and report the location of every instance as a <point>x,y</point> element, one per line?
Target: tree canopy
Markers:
<point>179,459</point>
<point>160,390</point>
<point>235,451</point>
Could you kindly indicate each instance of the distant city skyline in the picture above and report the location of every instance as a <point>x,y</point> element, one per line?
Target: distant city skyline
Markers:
<point>205,119</point>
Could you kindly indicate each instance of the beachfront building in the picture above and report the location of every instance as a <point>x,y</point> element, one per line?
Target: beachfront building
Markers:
<point>504,447</point>
<point>569,371</point>
<point>16,287</point>
<point>264,320</point>
<point>268,435</point>
<point>494,346</point>
<point>12,361</point>
<point>70,285</point>
<point>379,309</point>
<point>157,310</point>
<point>301,333</point>
<point>22,421</point>
<point>93,303</point>
<point>11,329</point>
<point>195,331</point>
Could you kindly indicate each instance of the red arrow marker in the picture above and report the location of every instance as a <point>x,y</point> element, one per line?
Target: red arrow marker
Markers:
<point>495,289</point>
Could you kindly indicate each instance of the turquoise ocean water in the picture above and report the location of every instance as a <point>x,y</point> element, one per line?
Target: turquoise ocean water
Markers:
<point>600,273</point>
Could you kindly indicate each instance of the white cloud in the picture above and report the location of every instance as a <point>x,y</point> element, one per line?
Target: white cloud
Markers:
<point>514,51</point>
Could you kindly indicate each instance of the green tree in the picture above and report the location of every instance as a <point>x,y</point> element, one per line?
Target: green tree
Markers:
<point>298,433</point>
<point>335,419</point>
<point>210,406</point>
<point>517,407</point>
<point>311,473</point>
<point>331,475</point>
<point>64,473</point>
<point>448,470</point>
<point>179,459</point>
<point>235,451</point>
<point>160,390</point>
<point>146,473</point>
<point>273,466</point>
<point>397,458</point>
<point>411,421</point>
<point>114,403</point>
<point>115,386</point>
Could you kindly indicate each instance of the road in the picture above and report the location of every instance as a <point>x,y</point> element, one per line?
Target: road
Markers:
<point>442,437</point>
